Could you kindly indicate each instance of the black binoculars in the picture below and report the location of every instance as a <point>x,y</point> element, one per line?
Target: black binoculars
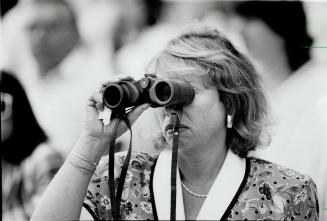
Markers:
<point>156,92</point>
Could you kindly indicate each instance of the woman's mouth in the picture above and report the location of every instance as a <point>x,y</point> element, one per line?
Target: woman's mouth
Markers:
<point>169,129</point>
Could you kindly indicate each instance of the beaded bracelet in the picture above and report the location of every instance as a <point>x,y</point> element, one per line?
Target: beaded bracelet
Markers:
<point>84,159</point>
<point>82,169</point>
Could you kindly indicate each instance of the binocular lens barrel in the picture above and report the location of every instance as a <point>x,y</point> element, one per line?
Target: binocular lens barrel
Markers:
<point>121,95</point>
<point>116,95</point>
<point>162,92</point>
<point>171,92</point>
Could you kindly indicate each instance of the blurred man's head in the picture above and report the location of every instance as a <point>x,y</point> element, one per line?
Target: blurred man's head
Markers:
<point>283,21</point>
<point>52,31</point>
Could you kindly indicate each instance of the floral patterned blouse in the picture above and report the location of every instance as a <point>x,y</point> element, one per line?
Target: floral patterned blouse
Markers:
<point>268,192</point>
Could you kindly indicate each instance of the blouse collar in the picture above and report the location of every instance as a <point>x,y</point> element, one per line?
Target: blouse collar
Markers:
<point>220,194</point>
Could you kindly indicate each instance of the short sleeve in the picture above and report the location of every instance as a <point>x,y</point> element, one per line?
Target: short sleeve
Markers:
<point>305,202</point>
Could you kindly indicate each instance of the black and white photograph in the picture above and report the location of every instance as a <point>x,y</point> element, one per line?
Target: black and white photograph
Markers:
<point>163,110</point>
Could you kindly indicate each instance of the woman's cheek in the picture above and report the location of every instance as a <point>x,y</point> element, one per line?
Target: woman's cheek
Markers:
<point>160,114</point>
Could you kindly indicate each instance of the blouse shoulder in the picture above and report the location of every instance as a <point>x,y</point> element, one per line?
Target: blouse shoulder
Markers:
<point>136,187</point>
<point>276,192</point>
<point>275,173</point>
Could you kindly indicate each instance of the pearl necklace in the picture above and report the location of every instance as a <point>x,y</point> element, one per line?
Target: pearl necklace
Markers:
<point>193,193</point>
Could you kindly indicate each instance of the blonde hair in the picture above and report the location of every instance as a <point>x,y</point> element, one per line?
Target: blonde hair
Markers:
<point>238,83</point>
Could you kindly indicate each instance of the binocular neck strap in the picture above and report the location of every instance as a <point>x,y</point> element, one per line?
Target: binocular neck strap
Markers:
<point>115,197</point>
<point>175,120</point>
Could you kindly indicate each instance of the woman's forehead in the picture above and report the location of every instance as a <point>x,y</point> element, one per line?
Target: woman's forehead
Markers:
<point>182,75</point>
<point>168,66</point>
<point>179,69</point>
<point>194,79</point>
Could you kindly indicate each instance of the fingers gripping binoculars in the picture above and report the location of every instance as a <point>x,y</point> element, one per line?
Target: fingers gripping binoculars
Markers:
<point>156,92</point>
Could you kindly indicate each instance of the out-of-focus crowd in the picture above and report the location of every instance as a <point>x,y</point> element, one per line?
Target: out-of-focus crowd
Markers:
<point>55,53</point>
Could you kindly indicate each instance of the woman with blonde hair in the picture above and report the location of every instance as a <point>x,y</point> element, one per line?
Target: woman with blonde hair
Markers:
<point>214,179</point>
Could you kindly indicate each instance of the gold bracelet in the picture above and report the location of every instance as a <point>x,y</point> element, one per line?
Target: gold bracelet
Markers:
<point>84,159</point>
<point>82,169</point>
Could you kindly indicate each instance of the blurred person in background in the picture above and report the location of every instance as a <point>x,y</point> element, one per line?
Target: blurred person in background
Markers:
<point>51,31</point>
<point>278,41</point>
<point>5,7</point>
<point>44,25</point>
<point>118,26</point>
<point>28,162</point>
<point>56,69</point>
<point>277,38</point>
<point>171,15</point>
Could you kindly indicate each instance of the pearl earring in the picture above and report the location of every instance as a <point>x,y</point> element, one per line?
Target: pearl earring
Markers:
<point>229,121</point>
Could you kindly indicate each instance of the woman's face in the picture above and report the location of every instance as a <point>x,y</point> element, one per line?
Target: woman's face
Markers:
<point>203,121</point>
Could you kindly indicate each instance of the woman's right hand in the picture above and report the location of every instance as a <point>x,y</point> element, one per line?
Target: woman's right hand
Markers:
<point>94,128</point>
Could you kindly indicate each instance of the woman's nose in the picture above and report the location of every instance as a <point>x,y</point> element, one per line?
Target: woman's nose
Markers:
<point>172,109</point>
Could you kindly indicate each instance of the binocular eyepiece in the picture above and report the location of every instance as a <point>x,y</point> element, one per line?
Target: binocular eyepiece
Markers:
<point>156,92</point>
